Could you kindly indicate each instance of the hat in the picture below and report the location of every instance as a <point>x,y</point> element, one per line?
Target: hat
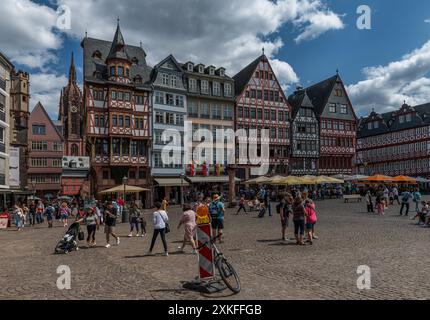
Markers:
<point>216,197</point>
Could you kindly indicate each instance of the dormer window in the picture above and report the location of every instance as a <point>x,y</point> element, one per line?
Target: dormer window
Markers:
<point>201,69</point>
<point>134,60</point>
<point>221,72</point>
<point>190,67</point>
<point>127,72</point>
<point>211,71</point>
<point>120,71</point>
<point>408,117</point>
<point>97,54</point>
<point>402,119</point>
<point>112,71</point>
<point>138,79</point>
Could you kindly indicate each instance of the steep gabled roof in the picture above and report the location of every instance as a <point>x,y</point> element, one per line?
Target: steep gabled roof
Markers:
<point>299,99</point>
<point>320,92</point>
<point>118,48</point>
<point>43,110</point>
<point>242,78</point>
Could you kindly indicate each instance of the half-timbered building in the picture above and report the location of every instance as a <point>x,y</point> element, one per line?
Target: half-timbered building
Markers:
<point>261,104</point>
<point>337,124</point>
<point>169,115</point>
<point>305,147</point>
<point>395,143</point>
<point>118,99</point>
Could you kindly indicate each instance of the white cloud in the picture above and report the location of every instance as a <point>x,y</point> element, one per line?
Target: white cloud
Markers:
<point>386,87</point>
<point>27,32</point>
<point>427,20</point>
<point>223,32</point>
<point>46,88</point>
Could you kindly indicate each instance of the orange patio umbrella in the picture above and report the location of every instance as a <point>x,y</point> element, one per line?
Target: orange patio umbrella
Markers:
<point>378,178</point>
<point>404,179</point>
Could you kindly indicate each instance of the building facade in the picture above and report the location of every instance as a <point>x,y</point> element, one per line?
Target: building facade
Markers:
<point>210,104</point>
<point>118,104</point>
<point>169,112</point>
<point>305,139</point>
<point>261,104</point>
<point>19,115</point>
<point>395,143</point>
<point>6,70</point>
<point>337,126</point>
<point>75,169</point>
<point>45,154</point>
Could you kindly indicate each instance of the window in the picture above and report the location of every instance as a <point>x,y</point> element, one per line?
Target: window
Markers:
<point>205,86</point>
<point>98,95</point>
<point>170,118</point>
<point>259,114</point>
<point>127,72</point>
<point>120,96</point>
<point>408,117</point>
<point>190,67</point>
<point>39,129</point>
<point>132,174</point>
<point>179,101</point>
<point>142,174</point>
<point>39,145</point>
<point>401,119</point>
<point>246,115</point>
<point>1,135</point>
<point>139,99</point>
<point>114,120</point>
<point>121,121</point>
<point>173,81</point>
<point>211,71</point>
<point>253,113</point>
<point>39,162</point>
<point>266,95</point>
<point>204,110</point>
<point>216,88</point>
<point>228,112</point>
<point>369,126</point>
<point>105,174</point>
<point>192,83</point>
<point>170,100</point>
<point>332,108</point>
<point>58,146</point>
<point>273,115</point>
<point>159,117</point>
<point>259,94</point>
<point>216,111</point>
<point>96,120</point>
<point>201,69</point>
<point>112,71</point>
<point>253,93</point>
<point>192,109</point>
<point>221,72</point>
<point>343,109</point>
<point>165,79</point>
<point>228,90</point>
<point>120,71</point>
<point>376,124</point>
<point>113,95</point>
<point>159,98</point>
<point>126,96</point>
<point>280,116</point>
<point>116,146</point>
<point>57,162</point>
<point>127,121</point>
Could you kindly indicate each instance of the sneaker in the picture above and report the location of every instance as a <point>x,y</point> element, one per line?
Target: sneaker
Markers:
<point>137,235</point>
<point>143,234</point>
<point>107,246</point>
<point>149,253</point>
<point>315,237</point>
<point>130,235</point>
<point>165,254</point>
<point>194,251</point>
<point>117,241</point>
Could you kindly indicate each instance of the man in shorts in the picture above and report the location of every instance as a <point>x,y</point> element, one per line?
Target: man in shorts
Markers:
<point>217,210</point>
<point>110,223</point>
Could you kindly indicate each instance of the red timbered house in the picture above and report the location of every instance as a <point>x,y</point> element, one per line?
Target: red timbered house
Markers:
<point>337,123</point>
<point>118,100</point>
<point>395,143</point>
<point>261,104</point>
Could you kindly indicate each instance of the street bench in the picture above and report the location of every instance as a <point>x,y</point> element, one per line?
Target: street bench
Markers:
<point>353,197</point>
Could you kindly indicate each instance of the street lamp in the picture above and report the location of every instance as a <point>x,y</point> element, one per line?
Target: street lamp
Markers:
<point>182,189</point>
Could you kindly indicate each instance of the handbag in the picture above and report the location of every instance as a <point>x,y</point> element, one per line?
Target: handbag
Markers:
<point>81,235</point>
<point>167,228</point>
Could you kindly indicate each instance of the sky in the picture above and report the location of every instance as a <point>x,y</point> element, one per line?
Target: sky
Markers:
<point>306,41</point>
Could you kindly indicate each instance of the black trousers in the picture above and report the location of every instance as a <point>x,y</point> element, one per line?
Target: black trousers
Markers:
<point>370,207</point>
<point>403,206</point>
<point>241,207</point>
<point>91,229</point>
<point>162,233</point>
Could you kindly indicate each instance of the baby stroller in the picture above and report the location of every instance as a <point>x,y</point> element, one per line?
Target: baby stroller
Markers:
<point>70,239</point>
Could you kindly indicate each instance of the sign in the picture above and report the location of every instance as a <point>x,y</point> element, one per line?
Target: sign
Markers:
<point>14,167</point>
<point>203,216</point>
<point>206,255</point>
<point>76,163</point>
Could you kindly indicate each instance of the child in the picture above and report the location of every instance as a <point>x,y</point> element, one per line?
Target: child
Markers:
<point>380,206</point>
<point>421,214</point>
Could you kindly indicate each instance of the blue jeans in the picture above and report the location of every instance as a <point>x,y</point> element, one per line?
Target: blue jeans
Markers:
<point>39,218</point>
<point>269,208</point>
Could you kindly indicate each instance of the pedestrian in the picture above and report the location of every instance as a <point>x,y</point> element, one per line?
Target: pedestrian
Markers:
<point>32,213</point>
<point>49,214</point>
<point>417,199</point>
<point>285,209</point>
<point>92,222</point>
<point>396,195</point>
<point>64,213</point>
<point>217,210</point>
<point>421,214</point>
<point>18,215</point>
<point>241,205</point>
<point>26,212</point>
<point>311,219</point>
<point>267,202</point>
<point>142,221</point>
<point>188,220</point>
<point>164,204</point>
<point>134,219</point>
<point>40,208</point>
<point>111,214</point>
<point>299,219</point>
<point>160,220</point>
<point>380,205</point>
<point>406,196</point>
<point>369,202</point>
<point>386,196</point>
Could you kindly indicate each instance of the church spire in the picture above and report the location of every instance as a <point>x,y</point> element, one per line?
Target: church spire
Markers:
<point>117,49</point>
<point>72,70</point>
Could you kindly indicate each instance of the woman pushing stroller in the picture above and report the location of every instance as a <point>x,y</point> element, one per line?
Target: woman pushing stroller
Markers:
<point>91,220</point>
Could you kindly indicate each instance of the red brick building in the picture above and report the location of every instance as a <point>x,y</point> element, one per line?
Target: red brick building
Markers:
<point>45,154</point>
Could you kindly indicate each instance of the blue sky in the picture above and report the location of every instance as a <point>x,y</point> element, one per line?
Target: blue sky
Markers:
<point>381,67</point>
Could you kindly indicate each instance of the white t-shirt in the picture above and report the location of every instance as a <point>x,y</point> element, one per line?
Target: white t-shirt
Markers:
<point>160,219</point>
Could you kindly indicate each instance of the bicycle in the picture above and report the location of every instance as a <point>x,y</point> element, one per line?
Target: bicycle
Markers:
<point>228,275</point>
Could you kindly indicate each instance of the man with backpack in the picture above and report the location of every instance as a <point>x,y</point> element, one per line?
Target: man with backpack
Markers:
<point>405,202</point>
<point>217,210</point>
<point>49,214</point>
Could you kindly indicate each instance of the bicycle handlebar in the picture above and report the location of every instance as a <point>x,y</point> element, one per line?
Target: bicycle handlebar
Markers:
<point>212,240</point>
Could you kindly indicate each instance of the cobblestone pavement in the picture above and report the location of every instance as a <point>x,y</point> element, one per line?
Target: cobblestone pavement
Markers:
<point>392,246</point>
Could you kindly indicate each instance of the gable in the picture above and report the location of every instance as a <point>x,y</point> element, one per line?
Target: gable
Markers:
<point>40,116</point>
<point>338,98</point>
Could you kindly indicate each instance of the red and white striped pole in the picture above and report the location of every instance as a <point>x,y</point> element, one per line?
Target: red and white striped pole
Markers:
<point>204,235</point>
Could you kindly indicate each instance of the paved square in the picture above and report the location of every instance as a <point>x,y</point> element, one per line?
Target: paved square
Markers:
<point>393,247</point>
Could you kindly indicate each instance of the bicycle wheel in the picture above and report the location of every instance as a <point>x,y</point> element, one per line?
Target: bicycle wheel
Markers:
<point>228,275</point>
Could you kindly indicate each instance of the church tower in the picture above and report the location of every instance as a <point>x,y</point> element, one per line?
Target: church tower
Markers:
<point>71,115</point>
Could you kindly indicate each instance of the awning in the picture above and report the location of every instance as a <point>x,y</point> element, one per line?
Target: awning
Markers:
<point>171,182</point>
<point>211,179</point>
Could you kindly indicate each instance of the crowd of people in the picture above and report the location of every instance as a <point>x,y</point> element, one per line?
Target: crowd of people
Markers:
<point>379,199</point>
